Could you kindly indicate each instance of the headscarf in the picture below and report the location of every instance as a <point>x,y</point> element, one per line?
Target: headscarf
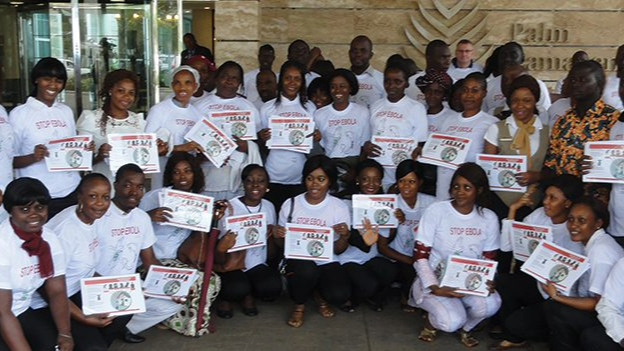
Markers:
<point>435,76</point>
<point>211,65</point>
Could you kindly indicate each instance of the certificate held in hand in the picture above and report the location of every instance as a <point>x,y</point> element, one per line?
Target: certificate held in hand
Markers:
<point>140,149</point>
<point>70,154</point>
<point>308,242</point>
<point>217,145</point>
<point>113,295</point>
<point>445,150</point>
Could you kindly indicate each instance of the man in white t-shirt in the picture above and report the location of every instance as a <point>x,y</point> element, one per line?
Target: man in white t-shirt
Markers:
<point>126,235</point>
<point>610,92</point>
<point>438,56</point>
<point>266,56</point>
<point>370,80</point>
<point>463,64</point>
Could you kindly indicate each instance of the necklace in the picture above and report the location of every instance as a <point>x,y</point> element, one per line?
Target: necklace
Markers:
<point>242,199</point>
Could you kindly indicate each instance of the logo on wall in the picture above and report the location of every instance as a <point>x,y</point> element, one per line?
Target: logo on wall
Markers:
<point>449,24</point>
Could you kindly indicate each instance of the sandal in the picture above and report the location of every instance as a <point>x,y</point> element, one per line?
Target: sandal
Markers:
<point>427,335</point>
<point>325,310</point>
<point>467,339</point>
<point>508,345</point>
<point>296,317</point>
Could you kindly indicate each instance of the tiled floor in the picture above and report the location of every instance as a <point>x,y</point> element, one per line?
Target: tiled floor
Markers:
<point>392,330</point>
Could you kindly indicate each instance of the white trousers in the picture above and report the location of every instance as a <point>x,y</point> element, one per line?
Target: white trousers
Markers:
<point>449,314</point>
<point>156,311</point>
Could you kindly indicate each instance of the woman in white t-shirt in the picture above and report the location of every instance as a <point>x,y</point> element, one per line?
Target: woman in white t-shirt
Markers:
<point>118,94</point>
<point>317,207</point>
<point>257,279</point>
<point>397,245</point>
<point>31,258</point>
<point>284,166</point>
<point>472,123</point>
<point>344,125</point>
<point>173,117</point>
<point>460,226</point>
<point>37,122</point>
<point>225,182</point>
<point>76,233</point>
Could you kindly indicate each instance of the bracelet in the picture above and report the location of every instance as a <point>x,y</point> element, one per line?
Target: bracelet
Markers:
<point>65,336</point>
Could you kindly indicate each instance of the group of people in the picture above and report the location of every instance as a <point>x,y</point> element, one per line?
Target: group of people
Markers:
<point>60,227</point>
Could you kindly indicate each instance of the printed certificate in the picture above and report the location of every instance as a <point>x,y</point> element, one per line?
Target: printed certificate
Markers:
<point>189,210</point>
<point>140,149</point>
<point>553,263</point>
<point>501,171</point>
<point>69,154</point>
<point>607,162</point>
<point>113,296</point>
<point>445,150</point>
<point>250,230</point>
<point>468,275</point>
<point>166,282</point>
<point>309,242</point>
<point>526,237</point>
<point>393,150</point>
<point>379,209</point>
<point>293,134</point>
<point>238,124</point>
<point>217,145</point>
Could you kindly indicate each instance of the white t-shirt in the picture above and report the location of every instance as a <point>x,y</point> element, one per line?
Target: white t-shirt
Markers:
<point>413,91</point>
<point>371,87</point>
<point>36,123</point>
<point>473,128</point>
<point>328,213</point>
<point>611,306</point>
<point>602,252</point>
<point>448,232</point>
<point>168,238</point>
<point>122,236</point>
<point>218,179</point>
<point>558,109</point>
<point>610,94</point>
<point>458,73</point>
<point>495,97</point>
<point>89,124</point>
<point>19,272</point>
<point>435,122</point>
<point>257,255</point>
<point>284,166</point>
<point>344,132</point>
<point>251,91</point>
<point>403,242</point>
<point>405,118</point>
<point>616,201</point>
<point>6,150</point>
<point>491,136</point>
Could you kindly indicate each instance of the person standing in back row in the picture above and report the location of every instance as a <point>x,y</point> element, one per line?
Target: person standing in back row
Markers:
<point>194,49</point>
<point>370,80</point>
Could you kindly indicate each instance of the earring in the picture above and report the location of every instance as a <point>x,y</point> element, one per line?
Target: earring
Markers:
<point>79,208</point>
<point>268,190</point>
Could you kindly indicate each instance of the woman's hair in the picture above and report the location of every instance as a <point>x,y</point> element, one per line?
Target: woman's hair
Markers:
<point>479,78</point>
<point>252,167</point>
<point>25,191</point>
<point>528,82</point>
<point>318,84</point>
<point>369,163</point>
<point>397,66</point>
<point>231,64</point>
<point>303,97</point>
<point>198,174</point>
<point>88,179</point>
<point>326,164</point>
<point>598,208</point>
<point>354,86</point>
<point>595,69</point>
<point>570,186</point>
<point>47,67</point>
<point>473,173</point>
<point>110,80</point>
<point>408,166</point>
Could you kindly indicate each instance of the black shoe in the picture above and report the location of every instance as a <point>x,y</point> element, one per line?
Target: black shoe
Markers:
<point>225,314</point>
<point>132,338</point>
<point>250,311</point>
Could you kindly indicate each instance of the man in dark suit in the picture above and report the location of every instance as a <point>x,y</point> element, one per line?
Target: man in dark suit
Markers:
<point>193,49</point>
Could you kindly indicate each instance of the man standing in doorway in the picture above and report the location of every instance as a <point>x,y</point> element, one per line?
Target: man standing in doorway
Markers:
<point>194,49</point>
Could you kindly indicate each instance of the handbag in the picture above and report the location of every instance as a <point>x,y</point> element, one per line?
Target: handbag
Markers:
<point>234,261</point>
<point>197,247</point>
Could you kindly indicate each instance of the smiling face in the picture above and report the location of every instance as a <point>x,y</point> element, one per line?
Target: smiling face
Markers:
<point>395,84</point>
<point>408,186</point>
<point>255,186</point>
<point>29,218</point>
<point>182,176</point>
<point>48,89</point>
<point>93,200</point>
<point>320,99</point>
<point>291,83</point>
<point>184,86</point>
<point>317,184</point>
<point>228,83</point>
<point>129,191</point>
<point>582,223</point>
<point>339,89</point>
<point>523,104</point>
<point>370,181</point>
<point>123,95</point>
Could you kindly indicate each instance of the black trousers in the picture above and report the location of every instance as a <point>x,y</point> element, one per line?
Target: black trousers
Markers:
<point>596,339</point>
<point>386,273</point>
<point>364,283</point>
<point>567,324</point>
<point>261,281</point>
<point>304,277</point>
<point>528,323</point>
<point>38,328</point>
<point>517,291</point>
